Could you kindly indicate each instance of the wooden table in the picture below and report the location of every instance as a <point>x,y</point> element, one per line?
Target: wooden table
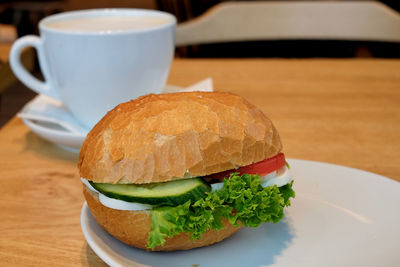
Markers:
<point>340,111</point>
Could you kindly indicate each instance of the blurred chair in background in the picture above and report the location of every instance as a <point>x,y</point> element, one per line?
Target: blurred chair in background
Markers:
<point>363,21</point>
<point>249,21</point>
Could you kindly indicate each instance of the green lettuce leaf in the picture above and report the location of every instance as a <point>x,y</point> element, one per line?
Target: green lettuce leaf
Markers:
<point>241,199</point>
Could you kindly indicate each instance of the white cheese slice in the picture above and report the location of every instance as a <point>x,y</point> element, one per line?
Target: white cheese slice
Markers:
<point>86,182</point>
<point>282,177</point>
<point>278,178</point>
<point>122,205</point>
<point>116,203</point>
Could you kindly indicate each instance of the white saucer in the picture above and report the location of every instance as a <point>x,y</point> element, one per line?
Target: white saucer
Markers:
<point>52,132</point>
<point>68,139</point>
<point>340,217</point>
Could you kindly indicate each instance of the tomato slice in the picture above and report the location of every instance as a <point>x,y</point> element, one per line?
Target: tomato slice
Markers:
<point>261,168</point>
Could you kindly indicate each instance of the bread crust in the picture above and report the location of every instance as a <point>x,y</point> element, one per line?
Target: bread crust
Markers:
<point>158,138</point>
<point>133,227</point>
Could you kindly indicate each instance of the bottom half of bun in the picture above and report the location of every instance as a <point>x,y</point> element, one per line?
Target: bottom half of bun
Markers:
<point>133,227</point>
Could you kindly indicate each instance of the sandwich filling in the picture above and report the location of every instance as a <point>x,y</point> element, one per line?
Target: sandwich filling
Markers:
<point>279,178</point>
<point>247,196</point>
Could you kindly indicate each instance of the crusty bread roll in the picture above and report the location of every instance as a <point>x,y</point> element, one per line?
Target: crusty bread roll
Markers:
<point>158,138</point>
<point>133,227</point>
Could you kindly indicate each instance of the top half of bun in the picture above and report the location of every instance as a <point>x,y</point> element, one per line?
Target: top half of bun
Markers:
<point>158,138</point>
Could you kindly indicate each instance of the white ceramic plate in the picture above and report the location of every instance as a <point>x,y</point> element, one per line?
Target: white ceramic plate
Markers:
<point>340,217</point>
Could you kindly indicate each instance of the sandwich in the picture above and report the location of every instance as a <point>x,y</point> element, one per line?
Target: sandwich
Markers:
<point>184,170</point>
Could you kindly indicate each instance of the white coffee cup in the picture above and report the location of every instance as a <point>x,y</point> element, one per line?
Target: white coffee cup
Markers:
<point>93,60</point>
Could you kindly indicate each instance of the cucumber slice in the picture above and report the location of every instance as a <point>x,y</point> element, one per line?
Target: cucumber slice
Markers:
<point>171,193</point>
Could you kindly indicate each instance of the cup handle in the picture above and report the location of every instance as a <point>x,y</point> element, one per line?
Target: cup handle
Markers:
<point>23,75</point>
